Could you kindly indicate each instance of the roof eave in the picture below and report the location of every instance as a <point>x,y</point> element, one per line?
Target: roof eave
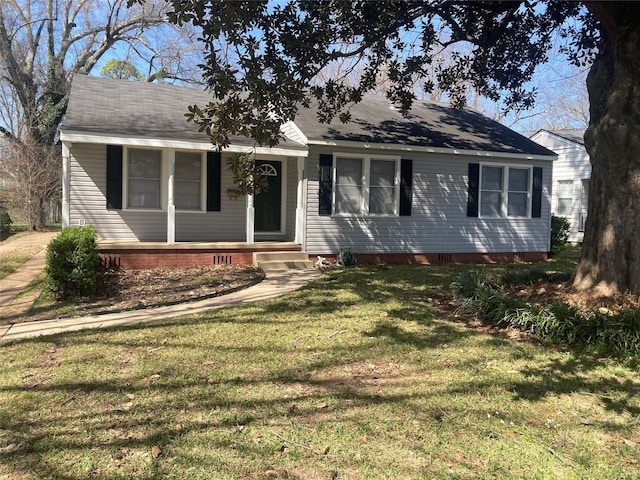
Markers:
<point>98,138</point>
<point>428,149</point>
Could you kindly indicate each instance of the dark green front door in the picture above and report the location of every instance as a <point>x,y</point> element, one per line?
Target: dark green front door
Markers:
<point>269,204</point>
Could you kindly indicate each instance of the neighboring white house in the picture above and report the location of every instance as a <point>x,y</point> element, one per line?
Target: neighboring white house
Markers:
<point>438,185</point>
<point>571,174</point>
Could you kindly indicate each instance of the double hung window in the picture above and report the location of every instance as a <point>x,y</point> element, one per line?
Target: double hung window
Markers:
<point>144,179</point>
<point>147,180</point>
<point>505,191</point>
<point>565,198</point>
<point>366,185</point>
<point>188,181</point>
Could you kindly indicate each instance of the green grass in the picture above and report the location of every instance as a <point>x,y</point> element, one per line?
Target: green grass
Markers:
<point>357,376</point>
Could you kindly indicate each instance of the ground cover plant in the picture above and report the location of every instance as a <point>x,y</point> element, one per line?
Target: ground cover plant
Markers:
<point>363,374</point>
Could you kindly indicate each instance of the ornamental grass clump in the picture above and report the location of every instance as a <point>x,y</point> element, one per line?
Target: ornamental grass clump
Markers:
<point>599,330</point>
<point>73,267</point>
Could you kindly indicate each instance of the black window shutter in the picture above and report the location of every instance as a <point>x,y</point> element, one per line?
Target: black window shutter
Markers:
<point>214,170</point>
<point>536,194</point>
<point>325,184</point>
<point>406,180</point>
<point>114,177</point>
<point>474,190</point>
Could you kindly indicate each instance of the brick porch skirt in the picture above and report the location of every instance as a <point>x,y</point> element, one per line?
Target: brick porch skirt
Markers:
<point>185,257</point>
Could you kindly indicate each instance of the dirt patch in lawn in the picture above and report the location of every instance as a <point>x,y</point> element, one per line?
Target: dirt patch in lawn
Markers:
<point>136,289</point>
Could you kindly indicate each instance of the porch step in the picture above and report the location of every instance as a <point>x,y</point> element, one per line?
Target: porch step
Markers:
<point>272,261</point>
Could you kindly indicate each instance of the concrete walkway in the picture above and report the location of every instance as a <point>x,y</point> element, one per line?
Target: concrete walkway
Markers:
<point>276,284</point>
<point>33,245</point>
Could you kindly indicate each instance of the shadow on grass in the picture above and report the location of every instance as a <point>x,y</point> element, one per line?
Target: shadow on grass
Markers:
<point>437,334</point>
<point>296,385</point>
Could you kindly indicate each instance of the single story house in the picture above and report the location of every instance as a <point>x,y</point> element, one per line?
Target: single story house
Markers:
<point>571,174</point>
<point>440,185</point>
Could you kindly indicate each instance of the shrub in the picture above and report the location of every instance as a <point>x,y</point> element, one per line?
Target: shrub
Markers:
<point>468,284</point>
<point>73,266</point>
<point>560,227</point>
<point>595,330</point>
<point>5,224</point>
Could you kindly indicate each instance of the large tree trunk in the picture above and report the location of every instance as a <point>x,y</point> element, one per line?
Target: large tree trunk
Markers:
<point>610,257</point>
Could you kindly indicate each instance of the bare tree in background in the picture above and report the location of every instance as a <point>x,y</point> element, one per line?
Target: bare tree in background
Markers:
<point>43,44</point>
<point>35,170</point>
<point>562,101</point>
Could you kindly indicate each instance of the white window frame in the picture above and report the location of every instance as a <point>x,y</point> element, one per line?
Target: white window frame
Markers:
<point>164,180</point>
<point>567,181</point>
<point>504,207</point>
<point>365,182</point>
<point>163,177</point>
<point>203,182</point>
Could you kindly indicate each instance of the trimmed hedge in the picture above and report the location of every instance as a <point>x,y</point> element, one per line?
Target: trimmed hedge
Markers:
<point>600,330</point>
<point>73,267</point>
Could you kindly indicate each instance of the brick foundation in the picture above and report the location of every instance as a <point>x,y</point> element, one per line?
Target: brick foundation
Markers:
<point>167,257</point>
<point>138,259</point>
<point>439,258</point>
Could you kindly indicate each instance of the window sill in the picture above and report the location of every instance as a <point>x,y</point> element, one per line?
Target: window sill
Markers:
<point>504,218</point>
<point>356,215</point>
<point>144,210</point>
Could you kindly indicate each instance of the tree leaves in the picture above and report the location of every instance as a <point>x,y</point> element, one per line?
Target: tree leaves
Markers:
<point>263,60</point>
<point>246,174</point>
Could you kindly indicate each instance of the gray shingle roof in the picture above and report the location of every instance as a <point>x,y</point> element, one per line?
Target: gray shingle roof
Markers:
<point>124,108</point>
<point>120,107</point>
<point>570,134</point>
<point>428,124</point>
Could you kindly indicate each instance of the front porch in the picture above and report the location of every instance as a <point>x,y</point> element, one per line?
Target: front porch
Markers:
<point>143,255</point>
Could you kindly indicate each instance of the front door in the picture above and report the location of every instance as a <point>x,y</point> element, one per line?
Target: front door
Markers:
<point>268,213</point>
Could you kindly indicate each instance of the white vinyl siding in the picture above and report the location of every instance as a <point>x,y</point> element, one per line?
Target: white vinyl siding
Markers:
<point>87,203</point>
<point>438,222</point>
<point>572,164</point>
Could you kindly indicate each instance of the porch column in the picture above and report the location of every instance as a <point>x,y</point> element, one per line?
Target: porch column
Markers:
<point>171,207</point>
<point>299,236</point>
<point>66,162</point>
<point>251,214</point>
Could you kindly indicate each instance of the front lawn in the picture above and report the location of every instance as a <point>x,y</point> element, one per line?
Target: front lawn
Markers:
<point>362,374</point>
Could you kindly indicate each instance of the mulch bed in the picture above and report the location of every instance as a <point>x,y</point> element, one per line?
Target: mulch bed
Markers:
<point>135,289</point>
<point>544,293</point>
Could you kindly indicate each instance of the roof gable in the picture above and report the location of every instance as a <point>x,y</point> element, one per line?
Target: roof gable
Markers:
<point>568,134</point>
